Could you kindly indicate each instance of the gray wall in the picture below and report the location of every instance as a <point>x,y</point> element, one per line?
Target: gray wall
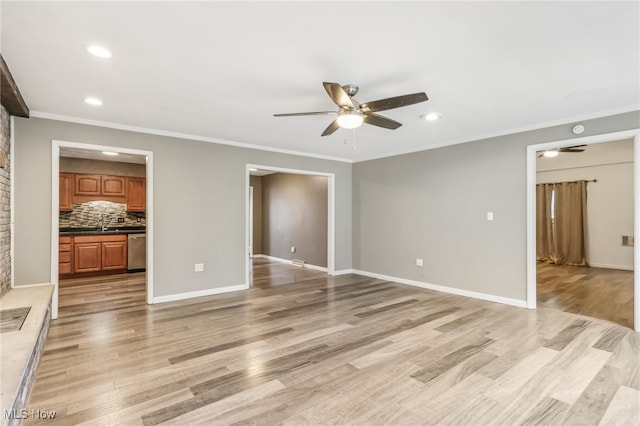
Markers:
<point>430,204</point>
<point>199,203</point>
<point>433,205</point>
<point>294,214</point>
<point>256,183</point>
<point>5,202</point>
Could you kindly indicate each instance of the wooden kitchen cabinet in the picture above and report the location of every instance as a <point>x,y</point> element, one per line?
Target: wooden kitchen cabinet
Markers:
<point>100,185</point>
<point>88,185</point>
<point>81,188</point>
<point>65,255</point>
<point>114,255</point>
<point>87,257</point>
<point>65,196</point>
<point>113,186</point>
<point>136,194</point>
<point>98,253</point>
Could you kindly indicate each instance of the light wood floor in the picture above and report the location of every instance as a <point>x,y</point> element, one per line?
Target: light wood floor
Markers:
<point>595,292</point>
<point>301,348</point>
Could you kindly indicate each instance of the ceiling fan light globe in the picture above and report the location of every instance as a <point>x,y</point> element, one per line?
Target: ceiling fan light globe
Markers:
<point>551,153</point>
<point>350,119</point>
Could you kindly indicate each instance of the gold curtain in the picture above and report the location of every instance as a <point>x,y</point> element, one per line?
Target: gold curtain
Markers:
<point>545,245</point>
<point>563,239</point>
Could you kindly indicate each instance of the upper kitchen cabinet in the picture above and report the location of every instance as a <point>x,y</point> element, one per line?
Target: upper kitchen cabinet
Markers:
<point>88,185</point>
<point>66,191</point>
<point>136,194</point>
<point>100,187</point>
<point>113,186</point>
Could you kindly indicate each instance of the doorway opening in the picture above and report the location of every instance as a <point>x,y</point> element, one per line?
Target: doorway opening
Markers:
<point>101,227</point>
<point>610,162</point>
<point>290,217</point>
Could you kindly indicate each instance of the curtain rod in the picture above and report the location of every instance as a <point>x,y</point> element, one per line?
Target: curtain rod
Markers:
<point>571,181</point>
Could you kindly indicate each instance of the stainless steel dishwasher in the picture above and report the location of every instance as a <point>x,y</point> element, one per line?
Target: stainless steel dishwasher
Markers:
<point>136,252</point>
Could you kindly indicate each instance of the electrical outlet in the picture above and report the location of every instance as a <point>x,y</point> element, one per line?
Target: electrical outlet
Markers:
<point>489,216</point>
<point>293,249</point>
<point>419,262</point>
<point>121,220</point>
<point>199,267</point>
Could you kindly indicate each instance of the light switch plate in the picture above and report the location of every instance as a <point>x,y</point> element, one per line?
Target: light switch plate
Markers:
<point>489,216</point>
<point>199,267</point>
<point>419,262</point>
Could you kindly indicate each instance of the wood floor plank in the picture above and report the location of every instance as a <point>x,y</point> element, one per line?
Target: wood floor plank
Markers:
<point>548,412</point>
<point>451,360</point>
<point>301,347</point>
<point>594,401</point>
<point>567,335</point>
<point>623,408</point>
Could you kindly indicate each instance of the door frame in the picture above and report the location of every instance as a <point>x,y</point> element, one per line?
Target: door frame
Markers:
<point>55,213</point>
<point>331,212</point>
<point>532,151</point>
<point>250,232</point>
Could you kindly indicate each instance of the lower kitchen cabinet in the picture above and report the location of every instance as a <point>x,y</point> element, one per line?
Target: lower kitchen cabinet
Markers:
<point>65,265</point>
<point>88,257</point>
<point>114,255</point>
<point>99,253</point>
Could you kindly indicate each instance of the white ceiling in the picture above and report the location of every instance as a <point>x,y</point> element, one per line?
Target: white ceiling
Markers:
<point>218,70</point>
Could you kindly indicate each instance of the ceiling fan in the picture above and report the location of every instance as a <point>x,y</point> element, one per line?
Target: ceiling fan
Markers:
<point>554,152</point>
<point>352,114</point>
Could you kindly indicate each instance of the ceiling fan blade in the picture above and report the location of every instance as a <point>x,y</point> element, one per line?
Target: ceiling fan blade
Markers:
<point>395,102</point>
<point>380,121</point>
<point>338,95</point>
<point>331,128</point>
<point>570,149</point>
<point>296,114</point>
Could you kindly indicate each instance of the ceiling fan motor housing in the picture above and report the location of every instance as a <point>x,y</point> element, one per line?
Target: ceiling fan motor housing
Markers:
<point>351,89</point>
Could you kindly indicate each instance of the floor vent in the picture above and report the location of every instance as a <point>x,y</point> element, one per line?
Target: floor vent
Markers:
<point>297,262</point>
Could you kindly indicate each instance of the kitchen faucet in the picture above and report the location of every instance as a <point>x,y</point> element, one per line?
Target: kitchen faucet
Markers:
<point>102,227</point>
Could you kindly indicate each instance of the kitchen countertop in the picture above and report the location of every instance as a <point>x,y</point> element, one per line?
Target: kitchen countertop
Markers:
<point>96,231</point>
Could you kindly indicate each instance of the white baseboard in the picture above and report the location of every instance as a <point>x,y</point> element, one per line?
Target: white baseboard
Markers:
<point>29,285</point>
<point>344,272</point>
<point>603,265</point>
<point>288,261</point>
<point>444,289</point>
<point>200,293</point>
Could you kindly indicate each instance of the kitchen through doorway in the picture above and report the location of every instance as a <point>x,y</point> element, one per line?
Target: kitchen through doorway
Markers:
<point>101,229</point>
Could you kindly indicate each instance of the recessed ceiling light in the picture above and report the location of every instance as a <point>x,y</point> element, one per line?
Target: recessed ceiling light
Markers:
<point>93,101</point>
<point>99,51</point>
<point>432,116</point>
<point>113,154</point>
<point>551,153</point>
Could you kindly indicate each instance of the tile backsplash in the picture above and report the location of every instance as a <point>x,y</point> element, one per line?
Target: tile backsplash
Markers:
<point>89,215</point>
